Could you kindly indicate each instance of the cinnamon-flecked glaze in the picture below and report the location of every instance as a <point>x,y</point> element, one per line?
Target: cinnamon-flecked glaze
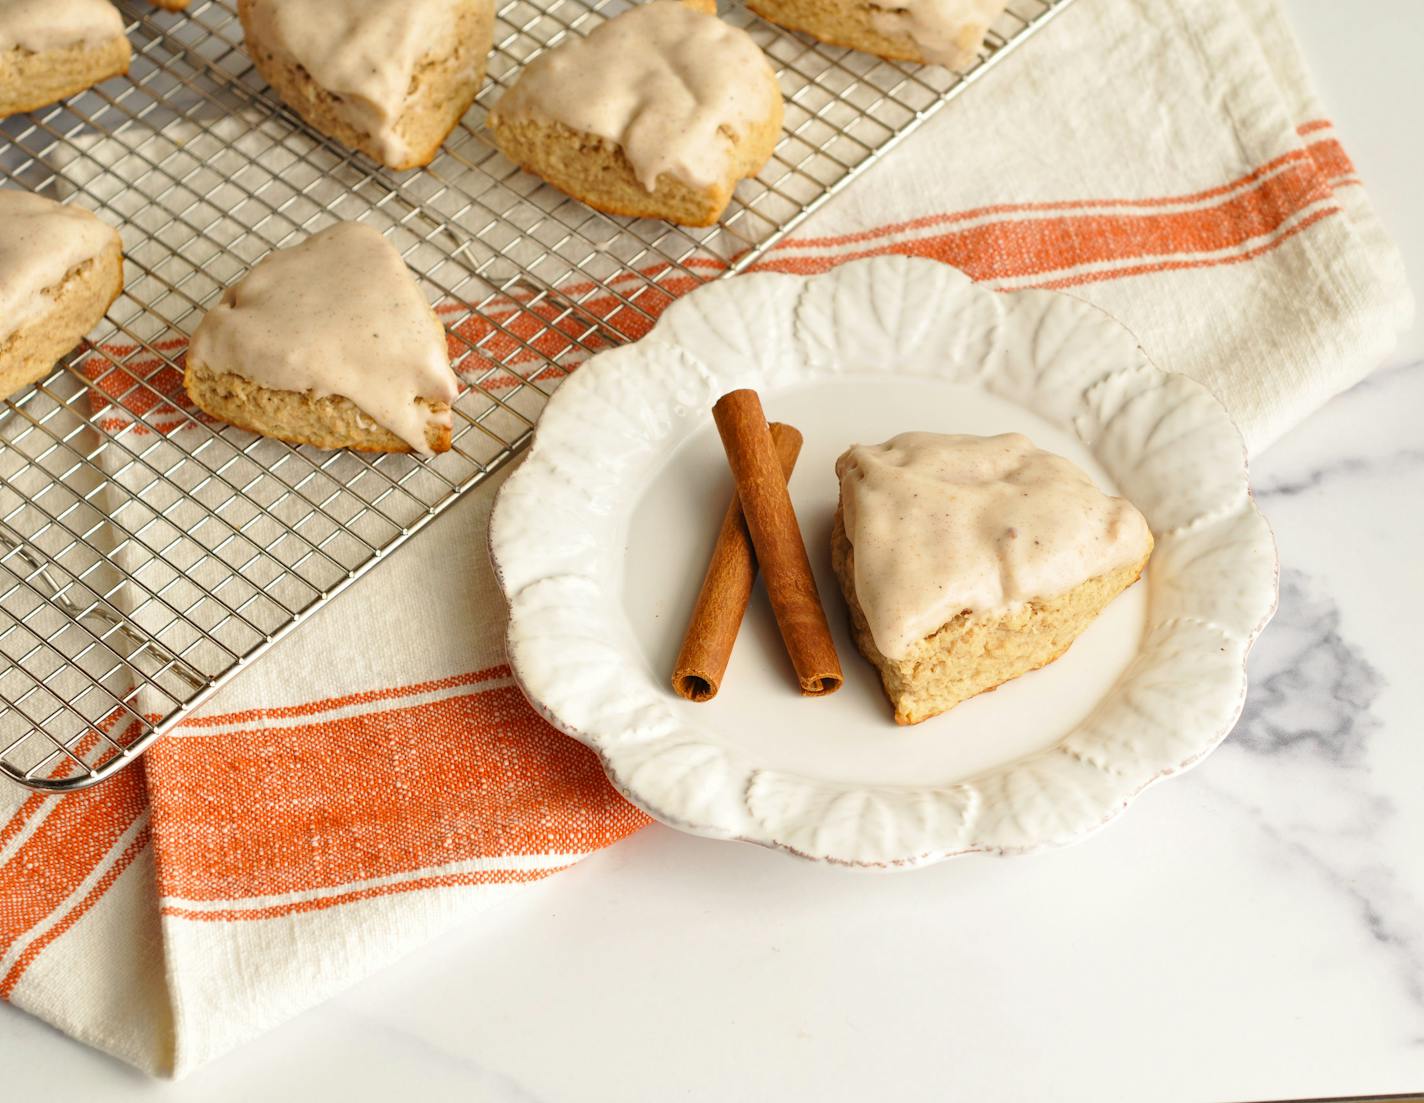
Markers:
<point>942,525</point>
<point>339,314</point>
<point>41,25</point>
<point>946,32</point>
<point>41,242</point>
<point>664,81</point>
<point>364,52</point>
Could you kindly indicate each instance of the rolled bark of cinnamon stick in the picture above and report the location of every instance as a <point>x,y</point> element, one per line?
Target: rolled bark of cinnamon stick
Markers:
<point>726,591</point>
<point>771,522</point>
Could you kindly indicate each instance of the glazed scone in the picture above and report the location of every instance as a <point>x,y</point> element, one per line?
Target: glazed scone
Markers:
<point>51,49</point>
<point>329,343</point>
<point>968,561</point>
<point>932,32</point>
<point>388,79</point>
<point>60,268</point>
<point>656,114</point>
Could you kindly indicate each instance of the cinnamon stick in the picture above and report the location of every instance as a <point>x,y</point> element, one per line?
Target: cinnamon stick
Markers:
<point>771,522</point>
<point>726,591</point>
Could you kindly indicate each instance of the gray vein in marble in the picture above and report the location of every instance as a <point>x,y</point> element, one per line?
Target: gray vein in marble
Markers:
<point>1399,462</point>
<point>1310,704</point>
<point>1377,399</point>
<point>1383,922</point>
<point>1316,690</point>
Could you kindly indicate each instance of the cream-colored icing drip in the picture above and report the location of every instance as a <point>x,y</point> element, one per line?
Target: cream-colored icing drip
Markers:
<point>946,32</point>
<point>41,242</point>
<point>942,525</point>
<point>666,82</point>
<point>339,314</point>
<point>363,51</point>
<point>39,25</point>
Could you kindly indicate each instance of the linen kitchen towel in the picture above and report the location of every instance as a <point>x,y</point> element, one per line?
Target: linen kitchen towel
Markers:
<point>376,778</point>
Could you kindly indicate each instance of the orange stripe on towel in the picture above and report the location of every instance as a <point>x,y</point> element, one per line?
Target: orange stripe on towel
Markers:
<point>1187,262</point>
<point>65,849</point>
<point>439,880</point>
<point>1328,156</point>
<point>1016,249</point>
<point>342,801</point>
<point>92,897</point>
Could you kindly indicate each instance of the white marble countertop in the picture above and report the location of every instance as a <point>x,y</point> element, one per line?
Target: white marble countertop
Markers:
<point>1253,930</point>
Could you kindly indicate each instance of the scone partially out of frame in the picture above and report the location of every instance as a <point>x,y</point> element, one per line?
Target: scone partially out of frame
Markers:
<point>329,343</point>
<point>968,561</point>
<point>932,32</point>
<point>60,268</point>
<point>656,114</point>
<point>52,49</point>
<point>388,79</point>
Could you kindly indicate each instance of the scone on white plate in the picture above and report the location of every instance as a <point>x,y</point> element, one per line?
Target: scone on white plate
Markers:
<point>657,113</point>
<point>51,49</point>
<point>60,268</point>
<point>967,561</point>
<point>329,343</point>
<point>388,79</point>
<point>932,32</point>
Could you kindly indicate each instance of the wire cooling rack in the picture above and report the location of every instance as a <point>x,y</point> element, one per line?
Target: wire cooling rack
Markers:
<point>148,554</point>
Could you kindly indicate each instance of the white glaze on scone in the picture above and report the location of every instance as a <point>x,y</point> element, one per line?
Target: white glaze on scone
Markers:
<point>41,242</point>
<point>946,32</point>
<point>41,25</point>
<point>664,81</point>
<point>339,314</point>
<point>365,52</point>
<point>942,525</point>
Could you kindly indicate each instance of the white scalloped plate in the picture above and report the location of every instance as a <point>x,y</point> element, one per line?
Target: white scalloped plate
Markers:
<point>600,538</point>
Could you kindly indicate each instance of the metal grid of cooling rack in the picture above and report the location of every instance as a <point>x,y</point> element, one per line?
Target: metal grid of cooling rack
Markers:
<point>147,554</point>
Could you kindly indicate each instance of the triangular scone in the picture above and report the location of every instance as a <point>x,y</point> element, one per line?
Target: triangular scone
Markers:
<point>388,79</point>
<point>967,561</point>
<point>329,343</point>
<point>656,114</point>
<point>60,268</point>
<point>50,49</point>
<point>931,32</point>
